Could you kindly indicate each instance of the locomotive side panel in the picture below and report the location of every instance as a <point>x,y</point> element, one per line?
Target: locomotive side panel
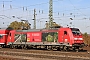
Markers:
<point>33,36</point>
<point>10,38</point>
<point>65,36</point>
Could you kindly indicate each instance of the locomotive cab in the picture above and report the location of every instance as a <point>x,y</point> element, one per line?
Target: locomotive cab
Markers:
<point>78,41</point>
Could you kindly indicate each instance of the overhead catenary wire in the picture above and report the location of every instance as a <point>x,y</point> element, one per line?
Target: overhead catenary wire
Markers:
<point>45,3</point>
<point>53,12</point>
<point>76,7</point>
<point>32,5</point>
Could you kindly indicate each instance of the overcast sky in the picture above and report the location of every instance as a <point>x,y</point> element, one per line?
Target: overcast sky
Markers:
<point>63,10</point>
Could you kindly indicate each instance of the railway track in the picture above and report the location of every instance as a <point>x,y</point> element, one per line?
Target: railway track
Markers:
<point>42,54</point>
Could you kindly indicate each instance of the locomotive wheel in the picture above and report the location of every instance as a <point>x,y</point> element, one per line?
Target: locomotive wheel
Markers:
<point>54,48</point>
<point>24,47</point>
<point>77,50</point>
<point>65,48</point>
<point>49,47</point>
<point>1,47</point>
<point>58,49</point>
<point>11,46</point>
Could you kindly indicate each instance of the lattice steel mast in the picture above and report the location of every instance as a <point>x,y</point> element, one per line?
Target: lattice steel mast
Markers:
<point>50,13</point>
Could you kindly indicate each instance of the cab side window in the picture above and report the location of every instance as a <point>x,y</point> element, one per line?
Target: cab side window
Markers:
<point>1,36</point>
<point>9,34</point>
<point>65,32</point>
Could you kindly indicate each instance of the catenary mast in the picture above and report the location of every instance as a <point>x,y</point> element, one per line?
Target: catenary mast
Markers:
<point>50,13</point>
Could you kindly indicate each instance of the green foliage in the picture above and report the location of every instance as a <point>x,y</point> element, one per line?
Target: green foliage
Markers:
<point>19,25</point>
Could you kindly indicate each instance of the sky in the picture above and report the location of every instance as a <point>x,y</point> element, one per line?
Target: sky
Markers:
<point>63,10</point>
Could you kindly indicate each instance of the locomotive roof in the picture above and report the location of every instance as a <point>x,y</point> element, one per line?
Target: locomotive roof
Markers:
<point>28,30</point>
<point>34,30</point>
<point>74,29</point>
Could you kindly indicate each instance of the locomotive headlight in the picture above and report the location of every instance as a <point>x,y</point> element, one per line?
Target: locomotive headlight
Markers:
<point>75,38</point>
<point>80,38</point>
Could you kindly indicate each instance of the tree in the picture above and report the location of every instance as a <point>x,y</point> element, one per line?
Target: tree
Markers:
<point>54,25</point>
<point>86,38</point>
<point>20,25</point>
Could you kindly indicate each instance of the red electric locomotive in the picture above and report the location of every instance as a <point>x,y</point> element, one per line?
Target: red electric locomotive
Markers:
<point>60,38</point>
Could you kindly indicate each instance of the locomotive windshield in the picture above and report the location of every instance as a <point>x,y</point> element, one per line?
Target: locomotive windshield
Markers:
<point>75,31</point>
<point>1,36</point>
